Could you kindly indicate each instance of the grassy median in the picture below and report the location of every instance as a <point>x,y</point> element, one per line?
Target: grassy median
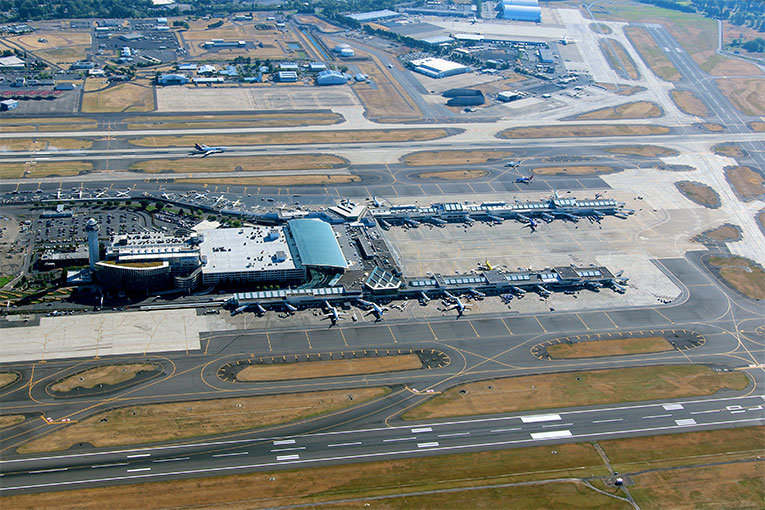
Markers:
<point>108,375</point>
<point>328,368</point>
<point>616,347</point>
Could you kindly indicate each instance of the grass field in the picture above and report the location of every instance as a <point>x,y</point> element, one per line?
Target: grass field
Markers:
<point>642,150</point>
<point>600,28</point>
<point>42,144</point>
<point>724,233</point>
<point>216,121</point>
<point>44,124</point>
<point>573,170</point>
<point>108,374</point>
<point>731,151</point>
<point>43,169</point>
<point>714,128</point>
<point>617,56</point>
<point>275,43</point>
<point>758,127</point>
<point>689,103</point>
<point>241,164</point>
<point>652,54</point>
<point>573,389</point>
<point>342,485</point>
<point>297,137</point>
<point>746,94</point>
<point>616,347</point>
<point>287,180</point>
<point>635,110</point>
<point>454,157</point>
<point>7,378</point>
<point>59,47</point>
<point>454,174</point>
<point>744,275</point>
<point>164,422</point>
<point>746,182</point>
<point>125,97</point>
<point>329,368</point>
<point>699,193</point>
<point>584,130</point>
<point>9,420</point>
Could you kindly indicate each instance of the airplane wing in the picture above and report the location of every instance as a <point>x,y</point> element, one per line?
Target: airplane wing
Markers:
<point>207,153</point>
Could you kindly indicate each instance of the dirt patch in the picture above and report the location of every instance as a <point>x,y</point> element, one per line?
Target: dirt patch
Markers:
<point>746,94</point>
<point>10,420</point>
<point>689,103</point>
<point>731,151</point>
<point>744,275</point>
<point>106,375</point>
<point>298,137</point>
<point>165,422</point>
<point>642,150</point>
<point>618,58</point>
<point>758,127</point>
<point>287,180</point>
<point>43,144</point>
<point>636,110</point>
<point>125,97</point>
<point>629,91</point>
<point>573,170</point>
<point>241,164</point>
<point>330,368</point>
<point>617,347</point>
<point>553,390</point>
<point>726,233</point>
<point>584,130</point>
<point>712,127</point>
<point>652,54</point>
<point>737,486</point>
<point>454,175</point>
<point>43,169</point>
<point>455,157</point>
<point>600,28</point>
<point>746,182</point>
<point>699,193</point>
<point>8,378</point>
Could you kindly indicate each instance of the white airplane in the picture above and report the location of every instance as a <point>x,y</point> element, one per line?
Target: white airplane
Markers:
<point>333,314</point>
<point>290,309</point>
<point>217,200</point>
<point>375,309</point>
<point>200,196</point>
<point>457,305</point>
<point>165,196</point>
<point>121,194</point>
<point>424,298</point>
<point>206,150</point>
<point>237,203</point>
<point>101,193</point>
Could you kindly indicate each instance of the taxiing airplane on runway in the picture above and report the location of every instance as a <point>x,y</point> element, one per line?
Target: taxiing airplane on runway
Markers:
<point>525,180</point>
<point>206,150</point>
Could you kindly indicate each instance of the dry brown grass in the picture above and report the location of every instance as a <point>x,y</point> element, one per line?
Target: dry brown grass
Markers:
<point>629,91</point>
<point>220,121</point>
<point>329,368</point>
<point>714,128</point>
<point>737,486</point>
<point>653,55</point>
<point>108,374</point>
<point>615,53</point>
<point>742,274</point>
<point>454,174</point>
<point>746,182</point>
<point>635,110</point>
<point>287,180</point>
<point>746,94</point>
<point>724,233</point>
<point>43,169</point>
<point>616,347</point>
<point>731,151</point>
<point>573,170</point>
<point>274,41</point>
<point>689,103</point>
<point>699,193</point>
<point>61,46</point>
<point>9,420</point>
<point>454,157</point>
<point>125,97</point>
<point>298,137</point>
<point>758,127</point>
<point>600,28</point>
<point>552,390</point>
<point>337,482</point>
<point>241,164</point>
<point>166,422</point>
<point>41,144</point>
<point>642,150</point>
<point>52,124</point>
<point>584,130</point>
<point>7,378</point>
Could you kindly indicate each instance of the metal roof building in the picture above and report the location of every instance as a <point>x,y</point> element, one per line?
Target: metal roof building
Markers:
<point>316,244</point>
<point>521,10</point>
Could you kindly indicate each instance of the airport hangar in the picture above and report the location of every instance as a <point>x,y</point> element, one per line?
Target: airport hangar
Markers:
<point>260,254</point>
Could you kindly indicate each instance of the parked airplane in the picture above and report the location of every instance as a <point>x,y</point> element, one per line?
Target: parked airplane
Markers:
<point>375,309</point>
<point>532,224</point>
<point>206,150</point>
<point>477,294</point>
<point>332,313</point>
<point>250,306</point>
<point>123,194</point>
<point>525,180</point>
<point>424,299</point>
<point>457,305</point>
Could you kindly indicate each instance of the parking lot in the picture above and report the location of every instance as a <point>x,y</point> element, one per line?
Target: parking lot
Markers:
<point>62,231</point>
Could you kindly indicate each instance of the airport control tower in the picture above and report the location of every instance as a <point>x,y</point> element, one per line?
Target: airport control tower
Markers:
<point>91,227</point>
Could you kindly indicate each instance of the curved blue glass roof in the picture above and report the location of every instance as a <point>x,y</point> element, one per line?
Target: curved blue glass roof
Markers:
<point>316,243</point>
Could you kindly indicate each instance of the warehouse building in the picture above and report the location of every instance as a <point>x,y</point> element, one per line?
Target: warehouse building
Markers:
<point>545,56</point>
<point>287,76</point>
<point>438,67</point>
<point>331,78</point>
<point>173,79</point>
<point>521,10</point>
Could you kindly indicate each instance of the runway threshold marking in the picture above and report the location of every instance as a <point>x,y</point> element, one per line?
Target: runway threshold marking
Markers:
<point>553,434</point>
<point>536,418</point>
<point>287,457</point>
<point>284,441</point>
<point>432,444</point>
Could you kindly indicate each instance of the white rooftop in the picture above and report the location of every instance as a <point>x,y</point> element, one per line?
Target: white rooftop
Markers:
<point>245,249</point>
<point>437,64</point>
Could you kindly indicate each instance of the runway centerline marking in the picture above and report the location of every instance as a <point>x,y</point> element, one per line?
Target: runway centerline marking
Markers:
<point>344,444</point>
<point>287,449</point>
<point>423,429</point>
<point>399,439</point>
<point>176,459</point>
<point>608,421</point>
<point>139,455</point>
<point>454,434</point>
<point>656,416</point>
<point>232,454</point>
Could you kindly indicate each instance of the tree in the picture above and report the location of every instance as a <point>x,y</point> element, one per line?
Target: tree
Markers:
<point>144,203</point>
